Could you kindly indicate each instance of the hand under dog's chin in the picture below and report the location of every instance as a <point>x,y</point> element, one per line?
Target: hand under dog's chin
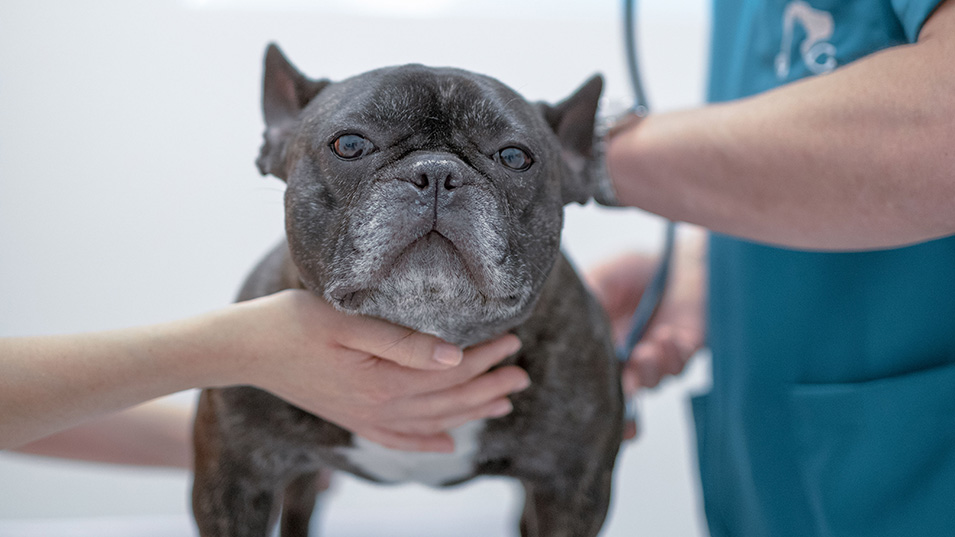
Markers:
<point>431,289</point>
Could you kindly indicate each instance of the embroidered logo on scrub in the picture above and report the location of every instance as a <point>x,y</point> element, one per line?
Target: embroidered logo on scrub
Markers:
<point>817,52</point>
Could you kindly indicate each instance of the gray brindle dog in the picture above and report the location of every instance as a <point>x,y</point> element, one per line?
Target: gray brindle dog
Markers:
<point>431,198</point>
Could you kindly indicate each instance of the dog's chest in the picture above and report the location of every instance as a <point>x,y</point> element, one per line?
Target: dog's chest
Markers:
<point>395,466</point>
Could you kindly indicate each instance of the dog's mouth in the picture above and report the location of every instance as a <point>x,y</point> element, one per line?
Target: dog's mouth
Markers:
<point>447,272</point>
<point>434,244</point>
<point>431,266</point>
<point>434,285</point>
<point>433,238</point>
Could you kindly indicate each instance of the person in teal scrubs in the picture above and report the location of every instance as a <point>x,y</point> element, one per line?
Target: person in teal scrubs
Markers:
<point>825,169</point>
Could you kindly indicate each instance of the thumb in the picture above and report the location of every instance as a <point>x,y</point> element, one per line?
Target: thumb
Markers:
<point>398,344</point>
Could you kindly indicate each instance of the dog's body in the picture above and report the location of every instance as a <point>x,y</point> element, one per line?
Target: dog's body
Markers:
<point>431,198</point>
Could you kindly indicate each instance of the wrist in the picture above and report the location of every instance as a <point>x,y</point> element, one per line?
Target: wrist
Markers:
<point>605,192</point>
<point>237,342</point>
<point>211,350</point>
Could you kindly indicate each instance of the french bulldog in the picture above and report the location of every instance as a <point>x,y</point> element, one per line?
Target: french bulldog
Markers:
<point>432,198</point>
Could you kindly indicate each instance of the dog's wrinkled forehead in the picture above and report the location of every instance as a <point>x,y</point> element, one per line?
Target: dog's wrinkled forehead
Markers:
<point>440,106</point>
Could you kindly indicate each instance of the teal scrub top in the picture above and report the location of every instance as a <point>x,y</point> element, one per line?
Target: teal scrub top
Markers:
<point>832,410</point>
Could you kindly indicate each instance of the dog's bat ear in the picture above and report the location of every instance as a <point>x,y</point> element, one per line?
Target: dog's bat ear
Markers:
<point>573,121</point>
<point>285,92</point>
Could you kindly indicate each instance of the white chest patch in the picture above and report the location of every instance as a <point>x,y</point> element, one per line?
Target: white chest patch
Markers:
<point>395,466</point>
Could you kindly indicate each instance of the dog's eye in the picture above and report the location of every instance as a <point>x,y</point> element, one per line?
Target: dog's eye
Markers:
<point>351,146</point>
<point>515,158</point>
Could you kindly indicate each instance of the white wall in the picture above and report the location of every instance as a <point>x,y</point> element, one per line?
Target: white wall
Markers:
<point>128,195</point>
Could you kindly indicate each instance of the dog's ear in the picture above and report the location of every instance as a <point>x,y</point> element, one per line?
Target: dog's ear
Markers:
<point>285,92</point>
<point>573,121</point>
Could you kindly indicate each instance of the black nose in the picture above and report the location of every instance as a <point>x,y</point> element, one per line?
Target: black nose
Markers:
<point>435,171</point>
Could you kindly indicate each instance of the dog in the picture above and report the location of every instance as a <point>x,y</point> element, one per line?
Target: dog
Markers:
<point>432,198</point>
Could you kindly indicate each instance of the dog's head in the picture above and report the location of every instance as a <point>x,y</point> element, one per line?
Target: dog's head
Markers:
<point>432,198</point>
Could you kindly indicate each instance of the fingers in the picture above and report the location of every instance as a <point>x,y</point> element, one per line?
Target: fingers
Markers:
<point>647,364</point>
<point>630,379</point>
<point>494,409</point>
<point>400,345</point>
<point>664,351</point>
<point>482,397</point>
<point>477,360</point>
<point>434,402</point>
<point>629,429</point>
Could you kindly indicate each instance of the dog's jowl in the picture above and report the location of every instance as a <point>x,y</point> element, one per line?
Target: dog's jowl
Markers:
<point>431,198</point>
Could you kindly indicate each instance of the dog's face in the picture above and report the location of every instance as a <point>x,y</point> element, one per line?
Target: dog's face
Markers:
<point>432,198</point>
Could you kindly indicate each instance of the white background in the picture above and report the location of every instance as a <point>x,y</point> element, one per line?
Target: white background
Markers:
<point>128,195</point>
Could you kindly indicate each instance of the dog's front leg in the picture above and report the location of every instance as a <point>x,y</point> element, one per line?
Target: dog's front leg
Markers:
<point>567,508</point>
<point>233,505</point>
<point>231,496</point>
<point>299,501</point>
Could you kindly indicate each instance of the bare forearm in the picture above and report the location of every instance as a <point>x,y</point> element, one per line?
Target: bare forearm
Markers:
<point>859,158</point>
<point>152,434</point>
<point>394,386</point>
<point>51,383</point>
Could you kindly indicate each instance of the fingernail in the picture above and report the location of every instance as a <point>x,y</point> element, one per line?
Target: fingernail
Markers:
<point>524,384</point>
<point>514,344</point>
<point>501,409</point>
<point>447,354</point>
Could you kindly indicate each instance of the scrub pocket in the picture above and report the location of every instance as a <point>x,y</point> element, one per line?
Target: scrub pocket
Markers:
<point>878,458</point>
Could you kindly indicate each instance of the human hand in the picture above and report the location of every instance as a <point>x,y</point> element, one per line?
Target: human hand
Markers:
<point>677,329</point>
<point>389,384</point>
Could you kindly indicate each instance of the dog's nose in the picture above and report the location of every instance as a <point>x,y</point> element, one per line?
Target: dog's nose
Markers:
<point>442,173</point>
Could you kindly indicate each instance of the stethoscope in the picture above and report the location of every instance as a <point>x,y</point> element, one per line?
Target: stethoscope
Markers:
<point>653,293</point>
